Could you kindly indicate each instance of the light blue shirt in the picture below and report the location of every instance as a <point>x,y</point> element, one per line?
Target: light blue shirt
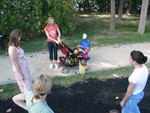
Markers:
<point>40,107</point>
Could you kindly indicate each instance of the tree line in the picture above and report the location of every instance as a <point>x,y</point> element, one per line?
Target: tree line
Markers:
<point>30,16</point>
<point>143,14</point>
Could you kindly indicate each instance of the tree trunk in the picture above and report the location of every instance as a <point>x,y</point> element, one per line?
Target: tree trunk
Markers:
<point>141,28</point>
<point>112,24</point>
<point>129,7</point>
<point>121,2</point>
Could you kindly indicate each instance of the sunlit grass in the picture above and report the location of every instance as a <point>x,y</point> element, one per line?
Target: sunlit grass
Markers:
<point>97,27</point>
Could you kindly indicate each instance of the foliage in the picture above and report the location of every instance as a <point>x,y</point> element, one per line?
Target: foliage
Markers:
<point>86,5</point>
<point>30,16</point>
<point>96,26</point>
<point>104,5</point>
<point>63,12</point>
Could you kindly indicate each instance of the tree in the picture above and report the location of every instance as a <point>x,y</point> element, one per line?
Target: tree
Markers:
<point>129,7</point>
<point>121,2</point>
<point>112,24</point>
<point>141,28</point>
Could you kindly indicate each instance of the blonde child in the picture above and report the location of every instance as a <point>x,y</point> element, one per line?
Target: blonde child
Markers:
<point>36,100</point>
<point>53,37</point>
<point>82,67</point>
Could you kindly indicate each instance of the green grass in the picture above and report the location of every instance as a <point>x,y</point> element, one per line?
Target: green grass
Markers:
<point>97,28</point>
<point>9,91</point>
<point>12,89</point>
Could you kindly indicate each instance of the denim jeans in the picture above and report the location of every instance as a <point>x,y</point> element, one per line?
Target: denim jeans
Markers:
<point>131,104</point>
<point>52,48</point>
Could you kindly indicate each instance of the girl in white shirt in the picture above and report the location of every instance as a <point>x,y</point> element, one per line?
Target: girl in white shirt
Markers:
<point>137,81</point>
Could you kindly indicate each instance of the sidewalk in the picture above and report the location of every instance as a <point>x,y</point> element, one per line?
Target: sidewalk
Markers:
<point>100,58</point>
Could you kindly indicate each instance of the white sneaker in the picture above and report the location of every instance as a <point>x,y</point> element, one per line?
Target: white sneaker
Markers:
<point>51,66</point>
<point>56,66</point>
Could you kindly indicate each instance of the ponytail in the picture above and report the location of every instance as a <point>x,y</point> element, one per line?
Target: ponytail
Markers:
<point>36,96</point>
<point>138,57</point>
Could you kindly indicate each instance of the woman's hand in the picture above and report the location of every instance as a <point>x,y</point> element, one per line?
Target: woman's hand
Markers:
<point>57,42</point>
<point>122,103</point>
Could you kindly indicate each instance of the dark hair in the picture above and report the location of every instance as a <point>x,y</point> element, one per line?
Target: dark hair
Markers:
<point>15,34</point>
<point>138,57</point>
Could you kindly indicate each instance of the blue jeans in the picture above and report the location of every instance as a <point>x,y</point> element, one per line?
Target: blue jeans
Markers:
<point>52,48</point>
<point>131,104</point>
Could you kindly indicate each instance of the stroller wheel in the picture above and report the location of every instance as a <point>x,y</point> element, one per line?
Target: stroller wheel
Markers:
<point>65,70</point>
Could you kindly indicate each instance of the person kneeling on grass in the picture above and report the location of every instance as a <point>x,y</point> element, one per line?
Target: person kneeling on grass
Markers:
<point>82,67</point>
<point>36,101</point>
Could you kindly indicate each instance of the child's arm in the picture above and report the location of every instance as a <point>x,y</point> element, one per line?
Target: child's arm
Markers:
<point>80,46</point>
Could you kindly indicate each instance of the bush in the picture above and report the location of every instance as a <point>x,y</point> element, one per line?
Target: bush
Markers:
<point>31,16</point>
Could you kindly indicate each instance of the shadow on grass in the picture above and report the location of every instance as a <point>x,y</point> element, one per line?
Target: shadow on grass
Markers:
<point>92,96</point>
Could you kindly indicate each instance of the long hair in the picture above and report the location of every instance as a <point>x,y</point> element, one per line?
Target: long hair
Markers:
<point>138,56</point>
<point>42,85</point>
<point>48,21</point>
<point>14,36</point>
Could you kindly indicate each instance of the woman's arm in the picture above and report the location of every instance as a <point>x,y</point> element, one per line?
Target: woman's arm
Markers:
<point>19,100</point>
<point>13,56</point>
<point>59,34</point>
<point>128,93</point>
<point>47,34</point>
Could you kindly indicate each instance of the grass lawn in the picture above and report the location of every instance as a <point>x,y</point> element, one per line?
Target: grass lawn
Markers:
<point>97,28</point>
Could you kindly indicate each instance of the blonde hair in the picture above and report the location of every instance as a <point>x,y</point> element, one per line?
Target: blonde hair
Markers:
<point>42,85</point>
<point>113,111</point>
<point>14,36</point>
<point>48,21</point>
<point>83,62</point>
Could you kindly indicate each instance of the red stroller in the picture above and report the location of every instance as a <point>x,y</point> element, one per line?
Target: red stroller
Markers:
<point>70,59</point>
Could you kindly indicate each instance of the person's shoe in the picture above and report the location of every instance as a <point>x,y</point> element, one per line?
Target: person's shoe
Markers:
<point>77,72</point>
<point>51,66</point>
<point>56,66</point>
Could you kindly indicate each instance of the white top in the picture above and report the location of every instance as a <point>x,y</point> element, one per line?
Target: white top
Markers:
<point>139,78</point>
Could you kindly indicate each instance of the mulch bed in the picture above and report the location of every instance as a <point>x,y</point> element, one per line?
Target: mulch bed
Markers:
<point>92,96</point>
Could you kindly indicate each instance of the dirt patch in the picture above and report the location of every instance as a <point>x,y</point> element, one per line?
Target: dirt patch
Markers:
<point>92,96</point>
<point>106,57</point>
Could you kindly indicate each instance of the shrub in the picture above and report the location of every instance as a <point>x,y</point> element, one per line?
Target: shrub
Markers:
<point>30,16</point>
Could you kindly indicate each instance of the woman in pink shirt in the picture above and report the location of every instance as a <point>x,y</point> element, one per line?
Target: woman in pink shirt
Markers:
<point>53,37</point>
